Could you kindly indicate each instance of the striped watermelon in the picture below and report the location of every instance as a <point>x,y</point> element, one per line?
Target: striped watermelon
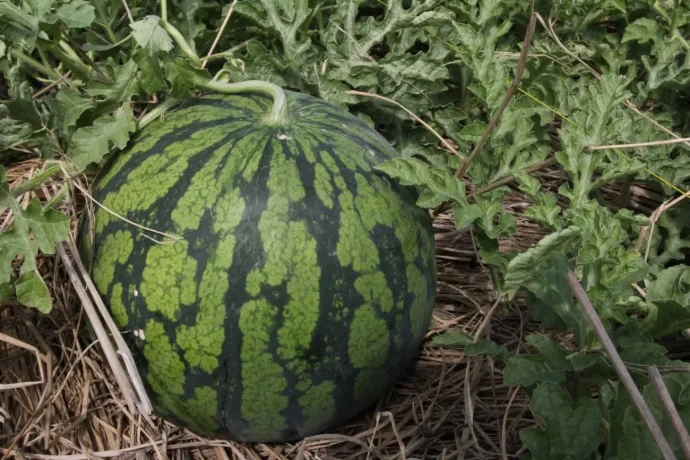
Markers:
<point>304,280</point>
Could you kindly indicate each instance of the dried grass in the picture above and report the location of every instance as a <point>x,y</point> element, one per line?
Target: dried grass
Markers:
<point>447,406</point>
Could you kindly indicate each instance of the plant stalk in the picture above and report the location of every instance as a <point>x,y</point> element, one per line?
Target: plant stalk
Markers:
<point>75,64</point>
<point>279,113</point>
<point>181,42</point>
<point>106,24</point>
<point>57,197</point>
<point>164,10</point>
<point>31,62</point>
<point>157,112</point>
<point>35,181</point>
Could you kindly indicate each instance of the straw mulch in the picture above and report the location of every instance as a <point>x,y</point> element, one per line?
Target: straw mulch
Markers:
<point>448,406</point>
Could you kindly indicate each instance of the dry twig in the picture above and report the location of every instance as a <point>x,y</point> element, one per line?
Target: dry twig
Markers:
<point>220,33</point>
<point>670,409</point>
<point>522,62</point>
<point>621,370</point>
<point>412,115</point>
<point>639,144</point>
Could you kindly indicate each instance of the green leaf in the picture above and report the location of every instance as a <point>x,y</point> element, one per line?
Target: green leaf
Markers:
<point>463,341</point>
<point>151,36</point>
<point>597,121</point>
<point>671,317</point>
<point>546,213</point>
<point>550,365</point>
<point>669,241</point>
<point>491,205</point>
<point>645,353</point>
<point>152,76</point>
<point>552,296</point>
<point>636,442</point>
<point>520,268</point>
<point>72,105</point>
<point>466,215</point>
<point>12,244</point>
<point>90,144</point>
<point>190,26</point>
<point>601,232</point>
<point>671,284</point>
<point>670,294</point>
<point>487,347</point>
<point>432,17</point>
<point>293,46</point>
<point>12,132</point>
<point>74,14</point>
<point>33,292</point>
<point>25,111</point>
<point>452,339</point>
<point>123,86</point>
<point>571,431</point>
<point>17,25</point>
<point>585,360</point>
<point>440,184</point>
<point>643,30</point>
<point>48,226</point>
<point>183,76</point>
<point>7,292</point>
<point>33,229</point>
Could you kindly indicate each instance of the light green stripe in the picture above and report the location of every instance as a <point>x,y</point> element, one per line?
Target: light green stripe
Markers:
<point>156,175</point>
<point>115,249</point>
<point>263,381</point>
<point>169,279</point>
<point>203,342</point>
<point>166,377</point>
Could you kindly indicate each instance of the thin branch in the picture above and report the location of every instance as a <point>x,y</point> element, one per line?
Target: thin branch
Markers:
<point>681,140</point>
<point>445,143</point>
<point>621,370</point>
<point>52,85</point>
<point>508,96</point>
<point>113,213</point>
<point>670,409</point>
<point>508,179</point>
<point>144,404</point>
<point>40,359</point>
<point>487,319</point>
<point>129,13</point>
<point>499,183</point>
<point>107,346</point>
<point>504,425</point>
<point>220,32</point>
<point>653,219</point>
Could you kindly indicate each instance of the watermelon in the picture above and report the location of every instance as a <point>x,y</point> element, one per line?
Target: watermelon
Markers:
<point>301,282</point>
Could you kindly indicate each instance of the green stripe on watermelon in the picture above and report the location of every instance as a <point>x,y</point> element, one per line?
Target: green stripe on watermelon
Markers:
<point>305,279</point>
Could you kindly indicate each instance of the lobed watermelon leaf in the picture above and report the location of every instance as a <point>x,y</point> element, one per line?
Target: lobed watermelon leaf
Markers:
<point>571,431</point>
<point>91,143</point>
<point>151,36</point>
<point>34,229</point>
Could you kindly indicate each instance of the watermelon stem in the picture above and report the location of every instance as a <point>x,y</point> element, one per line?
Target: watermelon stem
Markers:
<point>181,42</point>
<point>279,113</point>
